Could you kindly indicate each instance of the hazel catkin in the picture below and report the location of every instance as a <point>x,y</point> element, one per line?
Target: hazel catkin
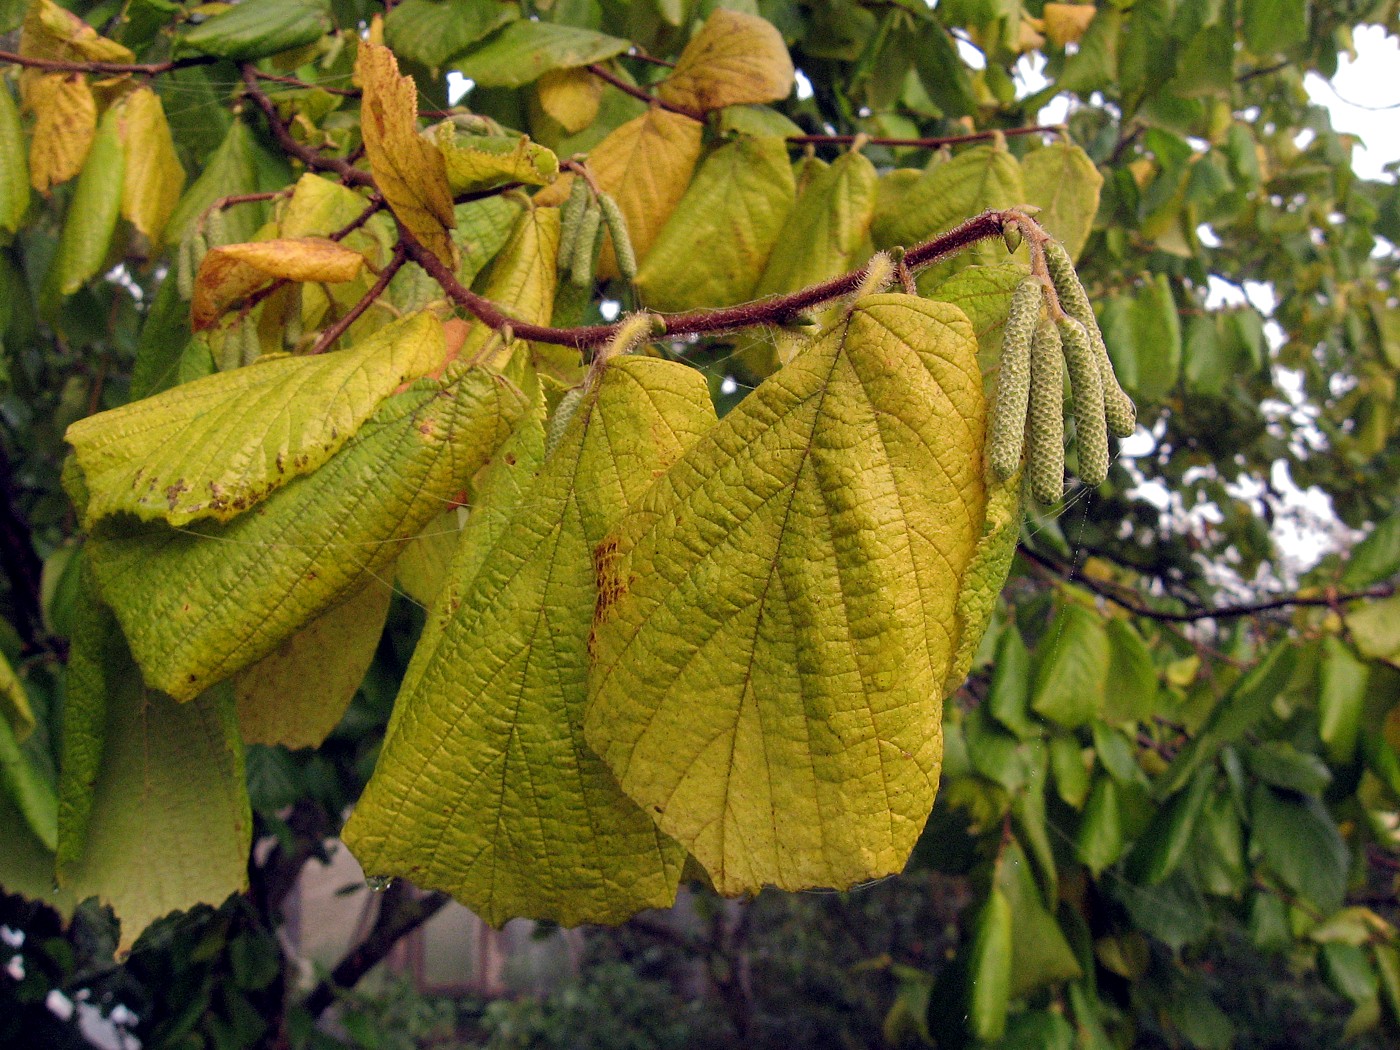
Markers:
<point>1086,389</point>
<point>1008,426</point>
<point>1046,455</point>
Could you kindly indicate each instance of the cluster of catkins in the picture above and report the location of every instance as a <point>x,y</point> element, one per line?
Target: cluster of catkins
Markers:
<point>1042,337</point>
<point>583,219</point>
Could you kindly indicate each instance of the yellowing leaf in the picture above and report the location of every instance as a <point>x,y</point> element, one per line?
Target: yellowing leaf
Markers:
<point>50,32</point>
<point>523,279</point>
<point>828,232</point>
<point>1067,23</point>
<point>216,446</point>
<point>154,175</point>
<point>422,566</point>
<point>296,695</point>
<point>735,207</point>
<point>570,97</point>
<point>65,121</point>
<point>1064,184</point>
<point>409,170</point>
<point>201,603</point>
<point>92,214</point>
<point>778,615</point>
<point>736,59</point>
<point>488,753</point>
<point>170,824</point>
<point>14,171</point>
<point>478,162</point>
<point>229,274</point>
<point>645,165</point>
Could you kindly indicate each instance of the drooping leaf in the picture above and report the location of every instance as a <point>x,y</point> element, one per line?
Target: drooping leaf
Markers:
<point>92,215</point>
<point>646,166</point>
<point>478,162</point>
<point>1071,773</point>
<point>422,567</point>
<point>524,50</point>
<point>1341,700</point>
<point>154,176</point>
<point>14,702</point>
<point>318,207</point>
<point>232,272</point>
<point>989,968</point>
<point>97,658</point>
<point>26,864</point>
<point>523,278</point>
<point>985,574</point>
<point>215,447</point>
<point>501,685</point>
<point>1008,699</point>
<point>768,670</point>
<point>1040,955</point>
<point>828,230</point>
<point>29,790</point>
<point>200,604</point>
<point>1375,627</point>
<point>409,170</point>
<point>1143,334</point>
<point>14,166</point>
<point>1375,558</point>
<point>1064,184</point>
<point>1271,26</point>
<point>735,59</point>
<point>1132,679</point>
<point>254,29</point>
<point>296,695</point>
<point>431,32</point>
<point>64,126</point>
<point>1073,668</point>
<point>735,206</point>
<point>50,32</point>
<point>170,824</point>
<point>1298,840</point>
<point>1160,849</point>
<point>1099,840</point>
<point>231,169</point>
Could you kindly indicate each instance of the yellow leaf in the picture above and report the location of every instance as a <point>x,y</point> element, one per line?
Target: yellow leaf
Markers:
<point>50,32</point>
<point>645,165</point>
<point>570,97</point>
<point>523,279</point>
<point>154,176</point>
<point>296,695</point>
<point>778,613</point>
<point>1067,23</point>
<point>64,125</point>
<point>736,59</point>
<point>1062,181</point>
<point>14,170</point>
<point>410,171</point>
<point>828,231</point>
<point>232,272</point>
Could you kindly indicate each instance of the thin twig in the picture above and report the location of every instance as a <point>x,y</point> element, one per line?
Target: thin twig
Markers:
<point>349,174</point>
<point>603,73</point>
<point>927,143</point>
<point>148,69</point>
<point>276,78</point>
<point>335,331</point>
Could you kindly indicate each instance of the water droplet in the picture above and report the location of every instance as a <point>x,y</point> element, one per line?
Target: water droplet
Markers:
<point>379,883</point>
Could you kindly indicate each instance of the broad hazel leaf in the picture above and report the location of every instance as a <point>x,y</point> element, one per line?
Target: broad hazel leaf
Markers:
<point>778,616</point>
<point>201,603</point>
<point>215,447</point>
<point>1064,184</point>
<point>410,170</point>
<point>828,232</point>
<point>319,207</point>
<point>422,567</point>
<point>735,207</point>
<point>482,786</point>
<point>232,169</point>
<point>523,279</point>
<point>232,272</point>
<point>646,166</point>
<point>14,168</point>
<point>1073,668</point>
<point>296,695</point>
<point>478,162</point>
<point>170,823</point>
<point>984,293</point>
<point>570,97</point>
<point>26,864</point>
<point>92,214</point>
<point>736,59</point>
<point>154,175</point>
<point>30,791</point>
<point>254,29</point>
<point>525,50</point>
<point>430,32</point>
<point>65,121</point>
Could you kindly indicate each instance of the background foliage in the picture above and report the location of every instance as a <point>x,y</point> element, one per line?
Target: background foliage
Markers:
<point>1168,814</point>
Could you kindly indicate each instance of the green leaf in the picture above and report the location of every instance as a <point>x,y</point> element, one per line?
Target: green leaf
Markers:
<point>1271,26</point>
<point>768,669</point>
<point>1375,558</point>
<point>522,280</point>
<point>1064,184</point>
<point>1037,1030</point>
<point>422,567</point>
<point>986,575</point>
<point>254,29</point>
<point>1040,955</point>
<point>231,169</point>
<point>432,32</point>
<point>1341,700</point>
<point>735,207</point>
<point>97,657</point>
<point>1132,677</point>
<point>491,730</point>
<point>479,162</point>
<point>994,752</point>
<point>1072,670</point>
<point>989,968</point>
<point>296,695</point>
<point>1219,853</point>
<point>941,70</point>
<point>14,166</point>
<point>1375,628</point>
<point>1008,698</point>
<point>828,230</point>
<point>202,603</point>
<point>217,446</point>
<point>984,294</point>
<point>170,824</point>
<point>26,864</point>
<point>28,789</point>
<point>1071,774</point>
<point>92,215</point>
<point>1099,841</point>
<point>1154,335</point>
<point>1279,763</point>
<point>1159,850</point>
<point>1116,755</point>
<point>14,702</point>
<point>1298,839</point>
<point>524,50</point>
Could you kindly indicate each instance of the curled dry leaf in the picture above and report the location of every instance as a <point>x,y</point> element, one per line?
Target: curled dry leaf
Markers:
<point>234,271</point>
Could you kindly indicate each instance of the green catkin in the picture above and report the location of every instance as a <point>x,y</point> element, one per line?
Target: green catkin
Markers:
<point>216,228</point>
<point>184,268</point>
<point>1118,406</point>
<point>1046,457</point>
<point>249,343</point>
<point>581,263</point>
<point>570,216</point>
<point>622,240</point>
<point>1008,426</point>
<point>559,422</point>
<point>1086,388</point>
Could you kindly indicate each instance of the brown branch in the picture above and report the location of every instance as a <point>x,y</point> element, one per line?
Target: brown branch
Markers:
<point>929,143</point>
<point>776,310</point>
<point>1119,596</point>
<point>603,73</point>
<point>335,331</point>
<point>399,915</point>
<point>348,173</point>
<point>294,82</point>
<point>148,69</point>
